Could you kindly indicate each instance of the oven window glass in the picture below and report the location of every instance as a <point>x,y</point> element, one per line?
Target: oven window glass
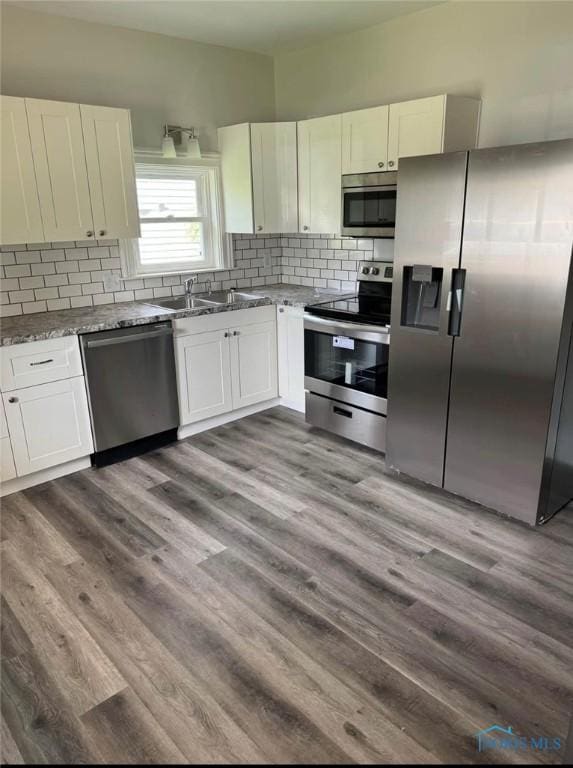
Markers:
<point>351,363</point>
<point>370,208</point>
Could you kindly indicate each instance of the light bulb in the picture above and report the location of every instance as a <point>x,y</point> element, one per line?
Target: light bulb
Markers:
<point>193,148</point>
<point>168,147</point>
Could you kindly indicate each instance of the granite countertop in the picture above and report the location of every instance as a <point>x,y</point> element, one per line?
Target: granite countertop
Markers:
<point>69,322</point>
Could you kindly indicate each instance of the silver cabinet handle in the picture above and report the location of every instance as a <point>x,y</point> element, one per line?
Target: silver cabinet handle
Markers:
<point>380,164</point>
<point>391,163</point>
<point>89,233</point>
<point>43,362</point>
<point>12,399</point>
<point>102,232</point>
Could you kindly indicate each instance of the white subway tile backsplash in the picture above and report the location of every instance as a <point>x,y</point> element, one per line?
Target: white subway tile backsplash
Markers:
<point>81,301</point>
<point>53,276</point>
<point>34,306</point>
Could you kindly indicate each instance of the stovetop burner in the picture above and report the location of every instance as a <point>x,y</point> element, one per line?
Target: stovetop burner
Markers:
<point>371,304</point>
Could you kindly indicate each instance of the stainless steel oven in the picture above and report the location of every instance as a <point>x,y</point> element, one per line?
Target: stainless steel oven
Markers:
<point>369,204</point>
<point>346,378</point>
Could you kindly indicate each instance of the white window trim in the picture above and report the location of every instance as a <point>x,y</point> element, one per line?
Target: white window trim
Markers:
<point>129,248</point>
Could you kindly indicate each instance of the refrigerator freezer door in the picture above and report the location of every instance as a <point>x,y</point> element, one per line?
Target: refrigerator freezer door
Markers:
<point>518,235</point>
<point>427,249</point>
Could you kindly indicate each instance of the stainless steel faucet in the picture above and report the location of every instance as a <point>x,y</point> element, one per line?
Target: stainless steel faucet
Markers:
<point>188,285</point>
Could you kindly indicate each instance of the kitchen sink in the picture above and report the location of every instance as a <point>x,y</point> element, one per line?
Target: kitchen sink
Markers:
<point>216,298</point>
<point>230,297</point>
<point>184,302</point>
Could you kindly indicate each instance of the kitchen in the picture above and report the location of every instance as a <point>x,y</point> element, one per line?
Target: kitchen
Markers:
<point>261,368</point>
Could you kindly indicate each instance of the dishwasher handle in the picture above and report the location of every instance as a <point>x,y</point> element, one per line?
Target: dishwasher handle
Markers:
<point>92,343</point>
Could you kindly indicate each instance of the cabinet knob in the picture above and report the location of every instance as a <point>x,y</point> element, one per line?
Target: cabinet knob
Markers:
<point>12,399</point>
<point>305,228</point>
<point>281,309</point>
<point>102,232</point>
<point>227,334</point>
<point>89,233</point>
<point>391,163</point>
<point>260,228</point>
<point>236,333</point>
<point>380,164</point>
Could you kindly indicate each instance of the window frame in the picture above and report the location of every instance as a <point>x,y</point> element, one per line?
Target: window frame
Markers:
<point>216,240</point>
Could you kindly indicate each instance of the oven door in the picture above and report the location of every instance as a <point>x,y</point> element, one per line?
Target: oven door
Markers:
<point>369,211</point>
<point>347,362</point>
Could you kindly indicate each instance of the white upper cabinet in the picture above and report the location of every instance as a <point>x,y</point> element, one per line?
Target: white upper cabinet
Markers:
<point>111,172</point>
<point>365,140</point>
<point>61,173</point>
<point>20,217</point>
<point>66,172</point>
<point>431,125</point>
<point>258,163</point>
<point>274,163</point>
<point>319,171</point>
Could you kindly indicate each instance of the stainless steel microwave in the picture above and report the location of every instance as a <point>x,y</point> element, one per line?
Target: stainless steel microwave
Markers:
<point>369,204</point>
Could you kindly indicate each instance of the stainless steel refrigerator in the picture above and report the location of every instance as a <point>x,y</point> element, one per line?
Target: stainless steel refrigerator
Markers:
<point>480,391</point>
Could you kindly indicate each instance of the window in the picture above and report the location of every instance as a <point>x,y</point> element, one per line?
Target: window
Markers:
<point>180,220</point>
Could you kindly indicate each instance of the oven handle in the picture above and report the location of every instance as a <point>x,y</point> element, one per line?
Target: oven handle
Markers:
<point>357,330</point>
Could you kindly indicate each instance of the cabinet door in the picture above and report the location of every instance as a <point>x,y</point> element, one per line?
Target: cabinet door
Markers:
<point>365,140</point>
<point>49,424</point>
<point>290,344</point>
<point>319,171</point>
<point>111,171</point>
<point>415,128</point>
<point>274,167</point>
<point>20,218</point>
<point>254,363</point>
<point>60,163</point>
<point>7,467</point>
<point>235,149</point>
<point>203,375</point>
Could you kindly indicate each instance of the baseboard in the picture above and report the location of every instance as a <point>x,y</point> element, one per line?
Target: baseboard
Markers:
<point>187,430</point>
<point>294,405</point>
<point>43,476</point>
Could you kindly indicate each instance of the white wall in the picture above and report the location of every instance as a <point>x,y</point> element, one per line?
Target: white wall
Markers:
<point>517,56</point>
<point>161,79</point>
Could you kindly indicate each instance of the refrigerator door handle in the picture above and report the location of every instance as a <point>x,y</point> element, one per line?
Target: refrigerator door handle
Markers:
<point>455,301</point>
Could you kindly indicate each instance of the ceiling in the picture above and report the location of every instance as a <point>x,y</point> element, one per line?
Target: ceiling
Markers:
<point>265,26</point>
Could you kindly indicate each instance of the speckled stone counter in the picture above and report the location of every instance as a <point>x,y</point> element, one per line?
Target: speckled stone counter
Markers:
<point>68,322</point>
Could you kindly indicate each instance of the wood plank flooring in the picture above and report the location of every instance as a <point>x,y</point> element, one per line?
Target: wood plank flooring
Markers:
<point>268,593</point>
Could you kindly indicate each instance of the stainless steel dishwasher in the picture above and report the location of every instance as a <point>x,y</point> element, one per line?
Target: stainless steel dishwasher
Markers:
<point>132,391</point>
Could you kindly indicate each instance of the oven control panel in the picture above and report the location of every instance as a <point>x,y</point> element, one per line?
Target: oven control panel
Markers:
<point>377,271</point>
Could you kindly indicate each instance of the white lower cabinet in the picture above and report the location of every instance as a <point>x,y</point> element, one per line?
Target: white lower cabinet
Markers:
<point>254,363</point>
<point>49,424</point>
<point>222,367</point>
<point>204,375</point>
<point>290,336</point>
<point>7,467</point>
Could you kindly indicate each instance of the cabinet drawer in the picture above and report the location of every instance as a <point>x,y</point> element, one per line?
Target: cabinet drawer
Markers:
<point>347,421</point>
<point>7,468</point>
<point>24,365</point>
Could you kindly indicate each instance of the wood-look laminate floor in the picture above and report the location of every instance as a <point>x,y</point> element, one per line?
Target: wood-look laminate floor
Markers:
<point>265,593</point>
